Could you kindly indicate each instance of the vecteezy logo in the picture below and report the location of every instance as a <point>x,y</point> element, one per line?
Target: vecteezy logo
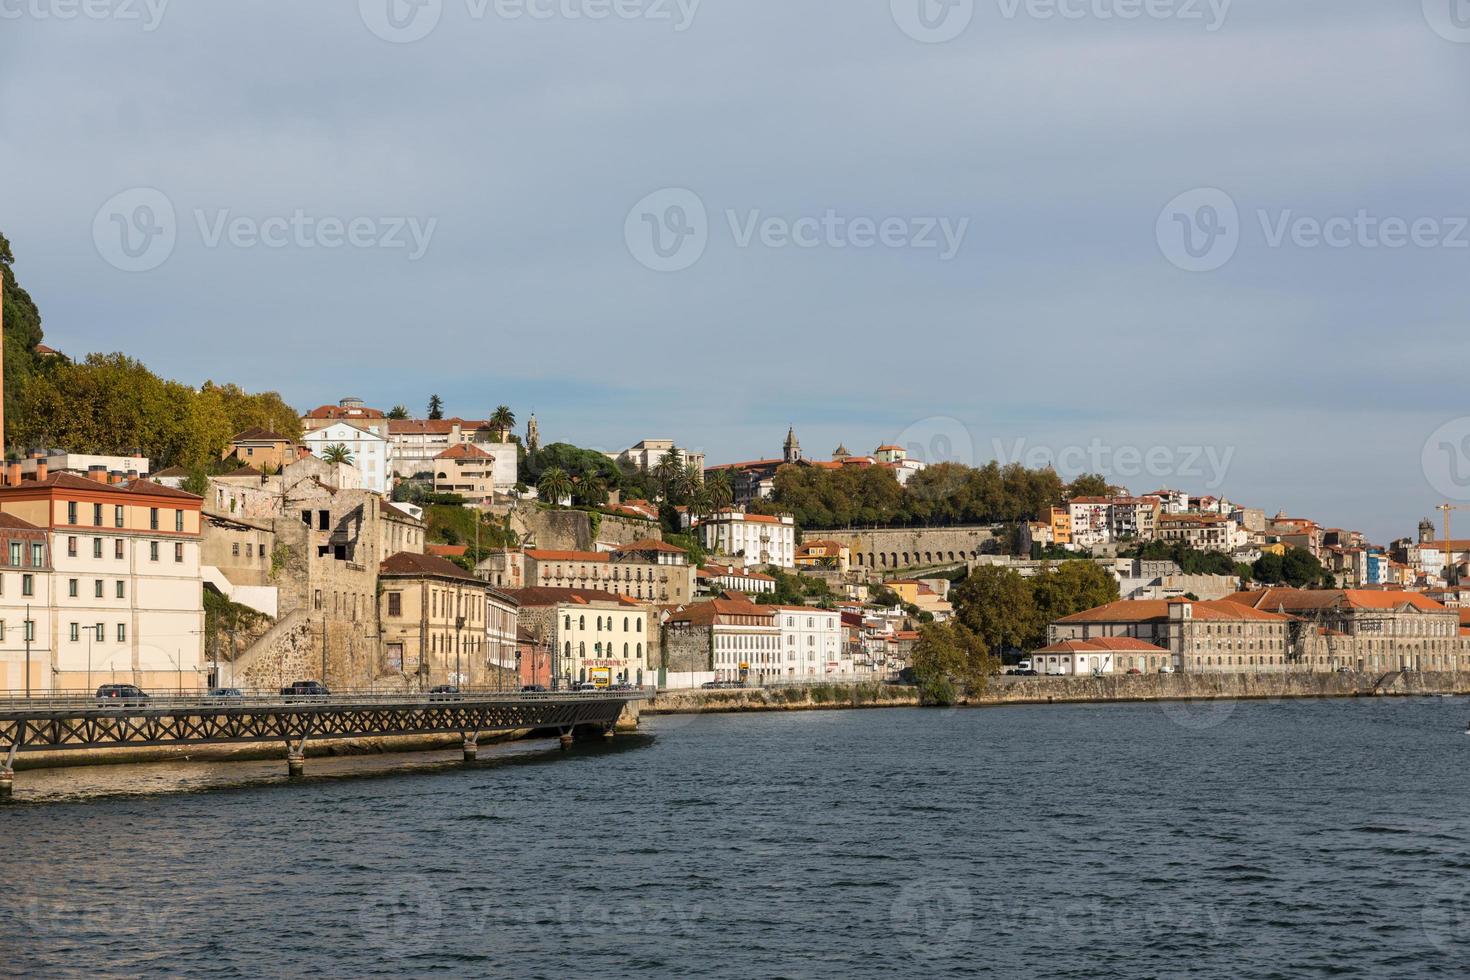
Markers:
<point>1199,230</point>
<point>1446,459</point>
<point>935,440</point>
<point>933,920</point>
<point>668,230</point>
<point>932,21</point>
<point>403,918</point>
<point>135,230</point>
<point>401,21</point>
<point>1450,19</point>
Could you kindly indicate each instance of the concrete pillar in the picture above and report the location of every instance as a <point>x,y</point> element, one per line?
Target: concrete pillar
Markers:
<point>566,741</point>
<point>296,761</point>
<point>609,733</point>
<point>7,783</point>
<point>471,748</point>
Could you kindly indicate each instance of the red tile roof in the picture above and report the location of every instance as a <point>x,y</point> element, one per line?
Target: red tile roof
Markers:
<point>465,450</point>
<point>406,564</point>
<point>549,596</point>
<point>1157,610</point>
<point>1302,600</point>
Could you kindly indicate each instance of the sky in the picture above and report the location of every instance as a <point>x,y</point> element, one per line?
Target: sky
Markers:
<point>1210,245</point>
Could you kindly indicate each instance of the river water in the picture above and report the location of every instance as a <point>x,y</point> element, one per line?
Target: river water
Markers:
<point>1294,839</point>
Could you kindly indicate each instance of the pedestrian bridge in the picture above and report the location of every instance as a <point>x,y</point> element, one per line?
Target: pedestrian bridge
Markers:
<point>50,724</point>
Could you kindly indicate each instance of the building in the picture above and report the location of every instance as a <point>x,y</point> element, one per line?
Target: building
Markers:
<point>114,468</point>
<point>1091,521</point>
<point>1208,636</point>
<point>1202,532</point>
<point>1060,519</point>
<point>1364,629</point>
<point>350,410</point>
<point>125,595</point>
<point>728,639</point>
<point>1134,518</point>
<point>369,452</point>
<point>1103,655</point>
<point>719,579</point>
<point>27,661</point>
<point>749,481</point>
<point>761,539</point>
<point>594,637</point>
<point>646,570</point>
<point>418,443</point>
<point>263,449</point>
<point>897,459</point>
<point>825,555</point>
<point>811,644</point>
<point>646,455</point>
<point>466,470</point>
<point>432,616</point>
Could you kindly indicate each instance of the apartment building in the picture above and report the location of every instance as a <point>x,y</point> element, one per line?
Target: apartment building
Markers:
<point>369,452</point>
<point>1211,637</point>
<point>26,649</point>
<point>761,539</point>
<point>811,643</point>
<point>432,615</point>
<point>729,639</point>
<point>124,597</point>
<point>593,636</point>
<point>646,570</point>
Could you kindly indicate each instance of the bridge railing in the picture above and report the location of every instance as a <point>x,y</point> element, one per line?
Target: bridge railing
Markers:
<point>59,701</point>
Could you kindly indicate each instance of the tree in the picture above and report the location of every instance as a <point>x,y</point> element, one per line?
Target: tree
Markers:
<point>436,408</point>
<point>337,453</point>
<point>1090,485</point>
<point>717,485</point>
<point>996,605</point>
<point>554,486</point>
<point>398,412</point>
<point>504,420</point>
<point>948,654</point>
<point>1069,588</point>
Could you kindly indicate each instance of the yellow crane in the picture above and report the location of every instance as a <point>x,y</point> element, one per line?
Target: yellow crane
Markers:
<point>1449,548</point>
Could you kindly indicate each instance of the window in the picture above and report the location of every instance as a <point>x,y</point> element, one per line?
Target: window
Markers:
<point>15,553</point>
<point>38,555</point>
<point>97,588</point>
<point>250,550</point>
<point>96,547</point>
<point>122,633</point>
<point>117,549</point>
<point>2,631</point>
<point>178,520</point>
<point>179,551</point>
<point>121,589</point>
<point>153,551</point>
<point>76,632</point>
<point>71,588</point>
<point>153,518</point>
<point>71,512</point>
<point>117,516</point>
<point>30,630</point>
<point>28,584</point>
<point>316,600</point>
<point>96,515</point>
<point>71,547</point>
<point>235,550</point>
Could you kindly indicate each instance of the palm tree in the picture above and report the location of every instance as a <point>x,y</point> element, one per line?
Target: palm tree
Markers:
<point>717,485</point>
<point>337,453</point>
<point>667,472</point>
<point>554,486</point>
<point>504,420</point>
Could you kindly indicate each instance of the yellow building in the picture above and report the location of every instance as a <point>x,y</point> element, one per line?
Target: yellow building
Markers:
<point>1060,519</point>
<point>432,616</point>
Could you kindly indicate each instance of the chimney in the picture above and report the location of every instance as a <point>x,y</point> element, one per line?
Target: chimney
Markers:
<point>41,471</point>
<point>132,475</point>
<point>115,477</point>
<point>97,474</point>
<point>12,477</point>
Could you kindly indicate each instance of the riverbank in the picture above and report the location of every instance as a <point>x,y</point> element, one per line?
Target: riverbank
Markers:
<point>1075,690</point>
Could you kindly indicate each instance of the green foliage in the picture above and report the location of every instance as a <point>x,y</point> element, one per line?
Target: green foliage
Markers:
<point>436,408</point>
<point>222,616</point>
<point>1008,611</point>
<point>689,542</point>
<point>280,554</point>
<point>554,486</point>
<point>504,420</point>
<point>22,334</point>
<point>337,453</point>
<point>793,590</point>
<point>398,412</point>
<point>945,494</point>
<point>1297,568</point>
<point>948,654</point>
<point>197,482</point>
<point>456,524</point>
<point>1090,485</point>
<point>1190,561</point>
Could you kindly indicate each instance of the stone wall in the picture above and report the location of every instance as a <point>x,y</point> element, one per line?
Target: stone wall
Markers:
<point>552,530</point>
<point>885,550</point>
<point>615,531</point>
<point>814,697</point>
<point>1265,685</point>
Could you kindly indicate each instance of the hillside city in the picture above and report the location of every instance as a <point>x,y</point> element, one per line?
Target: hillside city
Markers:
<point>371,549</point>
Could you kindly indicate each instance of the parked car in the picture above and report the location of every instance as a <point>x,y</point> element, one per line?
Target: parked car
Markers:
<point>1024,664</point>
<point>1344,670</point>
<point>1134,670</point>
<point>128,695</point>
<point>444,692</point>
<point>624,686</point>
<point>224,695</point>
<point>306,689</point>
<point>712,685</point>
<point>584,686</point>
<point>1166,669</point>
<point>533,689</point>
<point>1027,672</point>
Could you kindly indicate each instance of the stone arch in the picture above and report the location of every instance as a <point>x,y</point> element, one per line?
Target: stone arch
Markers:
<point>893,558</point>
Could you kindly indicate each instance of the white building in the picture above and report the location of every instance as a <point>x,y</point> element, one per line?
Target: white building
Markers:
<point>1091,520</point>
<point>371,452</point>
<point>811,641</point>
<point>897,459</point>
<point>760,539</point>
<point>647,454</point>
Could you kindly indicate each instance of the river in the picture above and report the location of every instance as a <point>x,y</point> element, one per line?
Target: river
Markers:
<point>1292,839</point>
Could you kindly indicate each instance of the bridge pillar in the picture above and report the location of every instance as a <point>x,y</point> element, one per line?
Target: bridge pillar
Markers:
<point>7,783</point>
<point>566,741</point>
<point>471,747</point>
<point>296,760</point>
<point>610,732</point>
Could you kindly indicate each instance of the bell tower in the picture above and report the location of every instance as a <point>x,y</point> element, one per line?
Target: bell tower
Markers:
<point>792,446</point>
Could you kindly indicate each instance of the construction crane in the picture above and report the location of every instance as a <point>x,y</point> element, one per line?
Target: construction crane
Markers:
<point>1449,548</point>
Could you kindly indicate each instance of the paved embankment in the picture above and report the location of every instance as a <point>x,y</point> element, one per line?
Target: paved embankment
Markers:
<point>1065,690</point>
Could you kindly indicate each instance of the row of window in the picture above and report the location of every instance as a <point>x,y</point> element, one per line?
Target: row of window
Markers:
<point>77,629</point>
<point>599,652</point>
<point>18,553</point>
<point>73,585</point>
<point>119,549</point>
<point>582,623</point>
<point>119,516</point>
<point>29,630</point>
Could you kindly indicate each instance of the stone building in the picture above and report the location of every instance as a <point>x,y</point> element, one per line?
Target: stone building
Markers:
<point>646,570</point>
<point>730,638</point>
<point>433,617</point>
<point>262,449</point>
<point>1217,636</point>
<point>761,539</point>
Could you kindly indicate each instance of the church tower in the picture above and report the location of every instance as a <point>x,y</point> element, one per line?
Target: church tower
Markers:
<point>533,434</point>
<point>793,448</point>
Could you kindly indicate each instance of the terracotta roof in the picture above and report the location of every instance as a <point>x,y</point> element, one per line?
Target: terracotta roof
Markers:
<point>649,544</point>
<point>172,471</point>
<point>421,426</point>
<point>751,465</point>
<point>889,449</point>
<point>548,596</point>
<point>410,565</point>
<point>1304,600</point>
<point>1104,644</point>
<point>705,613</point>
<point>1157,610</point>
<point>540,555</point>
<point>447,550</point>
<point>257,434</point>
<point>15,523</point>
<point>338,412</point>
<point>465,450</point>
<point>241,472</point>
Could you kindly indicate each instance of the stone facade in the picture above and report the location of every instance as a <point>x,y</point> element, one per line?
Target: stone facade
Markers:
<point>887,549</point>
